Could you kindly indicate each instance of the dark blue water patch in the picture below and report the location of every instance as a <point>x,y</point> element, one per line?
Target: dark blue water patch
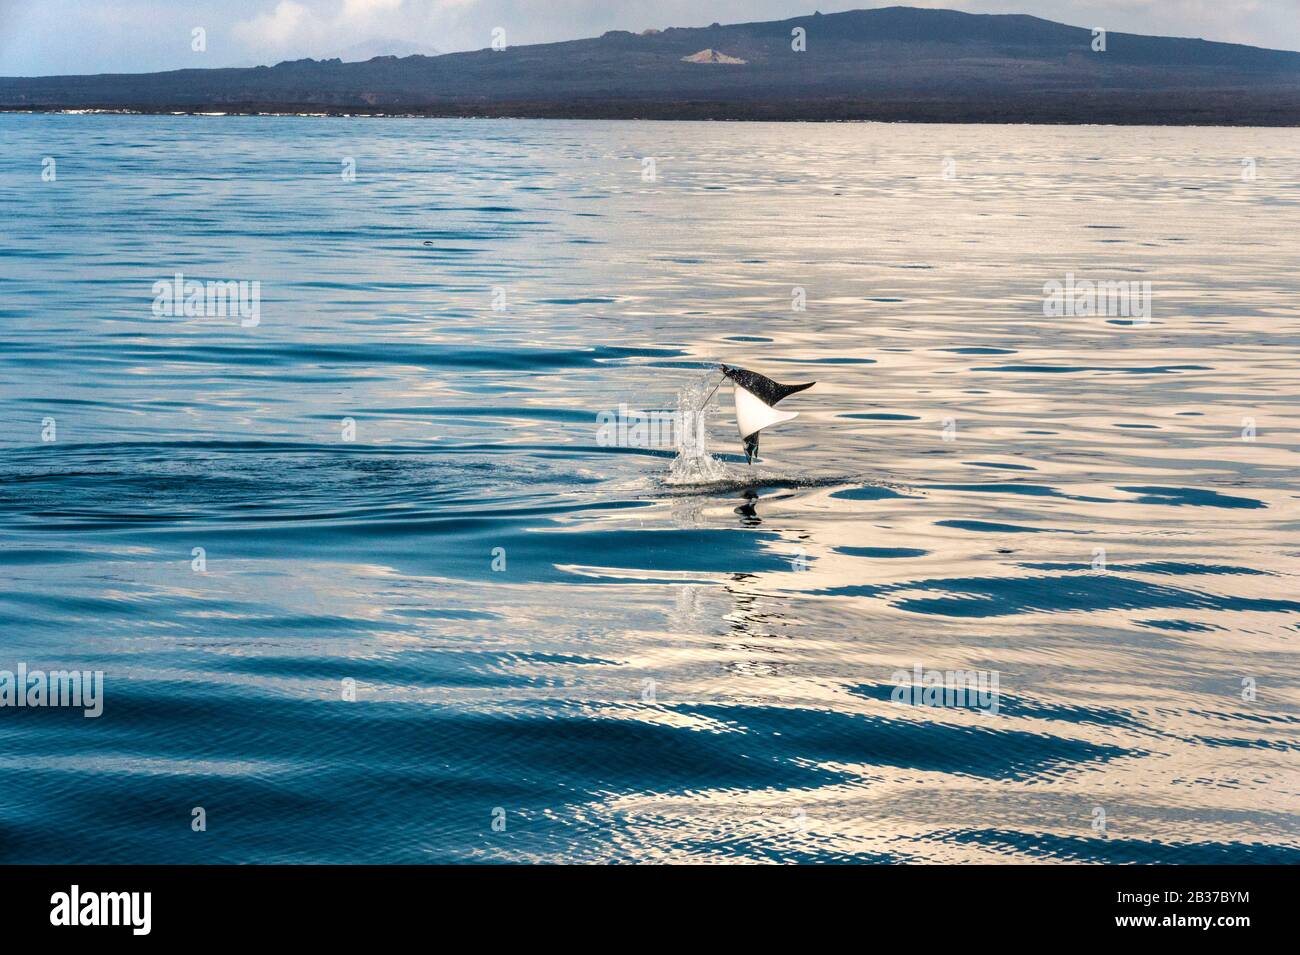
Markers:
<point>1041,432</point>
<point>881,416</point>
<point>88,403</point>
<point>1261,719</point>
<point>558,659</point>
<point>437,251</point>
<point>692,549</point>
<point>746,338</point>
<point>1154,567</point>
<point>1153,427</point>
<point>977,350</point>
<point>868,492</point>
<point>1014,706</point>
<point>58,610</point>
<point>886,301</point>
<point>443,669</point>
<point>174,482</point>
<point>1010,487</point>
<point>572,415</point>
<point>999,464</point>
<point>1190,414</point>
<point>1074,369</point>
<point>1176,626</point>
<point>774,849</point>
<point>1188,497</point>
<point>1022,489</point>
<point>462,547</point>
<point>1113,851</point>
<point>881,552</point>
<point>286,776</point>
<point>590,300</point>
<point>17,556</point>
<point>1235,742</point>
<point>993,527</point>
<point>427,355</point>
<point>409,670</point>
<point>268,456</point>
<point>981,597</point>
<point>443,235</point>
<point>829,736</point>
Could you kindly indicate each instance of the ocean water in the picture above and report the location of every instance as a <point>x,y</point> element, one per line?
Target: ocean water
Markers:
<point>367,582</point>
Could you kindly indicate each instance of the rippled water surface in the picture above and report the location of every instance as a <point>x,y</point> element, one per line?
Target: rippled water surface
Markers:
<point>1100,511</point>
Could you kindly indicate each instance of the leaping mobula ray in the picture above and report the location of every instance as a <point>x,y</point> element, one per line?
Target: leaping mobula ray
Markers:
<point>756,398</point>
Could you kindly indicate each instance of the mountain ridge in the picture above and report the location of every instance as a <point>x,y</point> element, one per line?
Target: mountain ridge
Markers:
<point>893,63</point>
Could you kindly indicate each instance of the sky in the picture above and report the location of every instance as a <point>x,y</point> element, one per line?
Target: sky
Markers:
<point>43,37</point>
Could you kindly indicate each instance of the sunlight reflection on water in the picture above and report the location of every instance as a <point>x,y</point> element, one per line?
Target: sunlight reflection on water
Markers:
<point>634,666</point>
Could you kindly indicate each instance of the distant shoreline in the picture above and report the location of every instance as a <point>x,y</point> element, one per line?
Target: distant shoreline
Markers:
<point>1136,112</point>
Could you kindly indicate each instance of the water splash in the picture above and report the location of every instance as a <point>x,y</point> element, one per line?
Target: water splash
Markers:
<point>694,464</point>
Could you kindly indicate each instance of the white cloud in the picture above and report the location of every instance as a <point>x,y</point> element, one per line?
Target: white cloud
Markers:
<point>283,26</point>
<point>361,9</point>
<point>296,29</point>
